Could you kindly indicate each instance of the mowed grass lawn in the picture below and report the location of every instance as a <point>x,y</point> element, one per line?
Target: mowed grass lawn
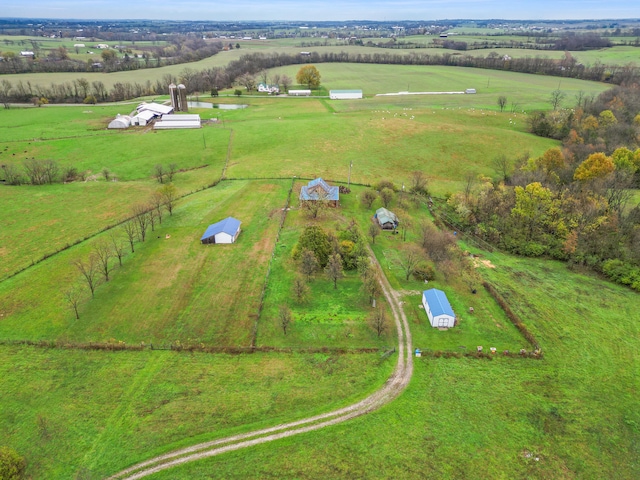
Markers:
<point>170,289</point>
<point>327,316</point>
<point>88,414</point>
<point>573,414</point>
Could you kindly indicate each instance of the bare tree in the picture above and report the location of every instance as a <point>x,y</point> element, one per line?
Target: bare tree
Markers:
<point>514,106</point>
<point>556,98</point>
<point>314,207</point>
<point>371,286</point>
<point>73,296</point>
<point>248,81</point>
<point>141,217</point>
<point>104,253</point>
<point>5,93</point>
<point>156,202</point>
<point>378,320</point>
<point>502,102</point>
<point>469,182</point>
<point>153,216</point>
<point>118,247</point>
<point>131,231</point>
<point>334,269</point>
<point>36,171</point>
<point>409,258</point>
<point>503,166</point>
<point>368,197</point>
<point>286,82</point>
<point>171,171</point>
<point>275,79</point>
<point>300,289</point>
<point>374,231</point>
<point>284,317</point>
<point>158,173</point>
<point>308,263</point>
<point>418,183</point>
<point>169,196</point>
<point>435,242</point>
<point>89,271</point>
<point>11,174</point>
<point>386,196</point>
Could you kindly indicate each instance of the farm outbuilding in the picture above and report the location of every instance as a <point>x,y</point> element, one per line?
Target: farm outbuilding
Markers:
<point>179,121</point>
<point>386,219</point>
<point>225,231</point>
<point>345,94</point>
<point>155,107</point>
<point>299,93</point>
<point>121,121</point>
<point>143,118</point>
<point>318,189</point>
<point>438,308</point>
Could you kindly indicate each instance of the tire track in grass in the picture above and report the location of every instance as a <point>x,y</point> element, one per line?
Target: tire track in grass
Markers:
<point>393,387</point>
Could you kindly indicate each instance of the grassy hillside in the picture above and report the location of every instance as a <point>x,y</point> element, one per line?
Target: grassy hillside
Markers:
<point>84,414</point>
<point>572,415</point>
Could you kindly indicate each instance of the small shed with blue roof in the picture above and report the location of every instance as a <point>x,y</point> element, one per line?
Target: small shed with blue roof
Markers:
<point>438,308</point>
<point>225,231</point>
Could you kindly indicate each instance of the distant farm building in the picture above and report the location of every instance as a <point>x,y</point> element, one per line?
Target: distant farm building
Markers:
<point>345,94</point>
<point>27,53</point>
<point>386,219</point>
<point>438,308</point>
<point>317,190</point>
<point>178,121</point>
<point>470,90</point>
<point>225,231</point>
<point>79,45</point>
<point>299,93</point>
<point>102,46</point>
<point>155,107</point>
<point>143,118</point>
<point>266,88</point>
<point>121,121</point>
<point>178,96</point>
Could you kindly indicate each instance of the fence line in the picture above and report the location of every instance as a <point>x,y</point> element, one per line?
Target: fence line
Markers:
<point>283,217</point>
<point>180,347</point>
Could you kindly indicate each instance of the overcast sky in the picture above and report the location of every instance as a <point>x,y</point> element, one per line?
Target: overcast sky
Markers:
<point>321,10</point>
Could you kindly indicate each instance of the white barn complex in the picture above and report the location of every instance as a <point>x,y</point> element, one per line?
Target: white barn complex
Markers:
<point>345,94</point>
<point>438,308</point>
<point>299,93</point>
<point>186,120</point>
<point>225,231</point>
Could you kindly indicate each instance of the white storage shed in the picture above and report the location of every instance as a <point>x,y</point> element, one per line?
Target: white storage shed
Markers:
<point>345,94</point>
<point>121,121</point>
<point>225,231</point>
<point>438,308</point>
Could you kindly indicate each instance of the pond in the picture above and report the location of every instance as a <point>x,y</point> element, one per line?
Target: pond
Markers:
<point>221,106</point>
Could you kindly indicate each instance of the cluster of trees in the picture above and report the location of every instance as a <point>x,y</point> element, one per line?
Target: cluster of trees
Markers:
<point>44,171</point>
<point>560,206</point>
<point>333,253</point>
<point>107,253</point>
<point>12,465</point>
<point>594,124</point>
<point>218,78</point>
<point>180,50</point>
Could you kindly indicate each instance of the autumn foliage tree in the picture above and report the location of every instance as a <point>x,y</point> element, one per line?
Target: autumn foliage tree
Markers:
<point>308,75</point>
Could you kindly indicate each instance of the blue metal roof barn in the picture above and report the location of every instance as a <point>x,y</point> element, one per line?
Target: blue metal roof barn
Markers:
<point>225,231</point>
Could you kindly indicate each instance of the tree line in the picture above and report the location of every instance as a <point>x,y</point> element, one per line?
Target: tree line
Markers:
<point>108,253</point>
<point>219,78</point>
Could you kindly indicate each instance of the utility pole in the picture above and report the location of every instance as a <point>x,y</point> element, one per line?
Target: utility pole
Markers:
<point>349,179</point>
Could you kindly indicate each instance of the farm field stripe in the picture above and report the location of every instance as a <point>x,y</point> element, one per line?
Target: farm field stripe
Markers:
<point>396,383</point>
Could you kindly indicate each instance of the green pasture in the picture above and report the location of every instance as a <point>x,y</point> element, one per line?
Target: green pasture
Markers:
<point>169,289</point>
<point>327,316</point>
<point>573,414</point>
<point>87,414</point>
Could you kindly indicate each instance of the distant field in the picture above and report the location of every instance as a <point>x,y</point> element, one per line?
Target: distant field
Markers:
<point>96,412</point>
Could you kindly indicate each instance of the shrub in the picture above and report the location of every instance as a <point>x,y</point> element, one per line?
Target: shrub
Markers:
<point>12,465</point>
<point>424,272</point>
<point>382,184</point>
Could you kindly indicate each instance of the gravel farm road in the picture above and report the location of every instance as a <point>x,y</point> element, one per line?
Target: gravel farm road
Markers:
<point>396,383</point>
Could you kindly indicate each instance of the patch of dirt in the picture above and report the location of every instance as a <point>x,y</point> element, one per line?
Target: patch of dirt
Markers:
<point>486,263</point>
<point>4,251</point>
